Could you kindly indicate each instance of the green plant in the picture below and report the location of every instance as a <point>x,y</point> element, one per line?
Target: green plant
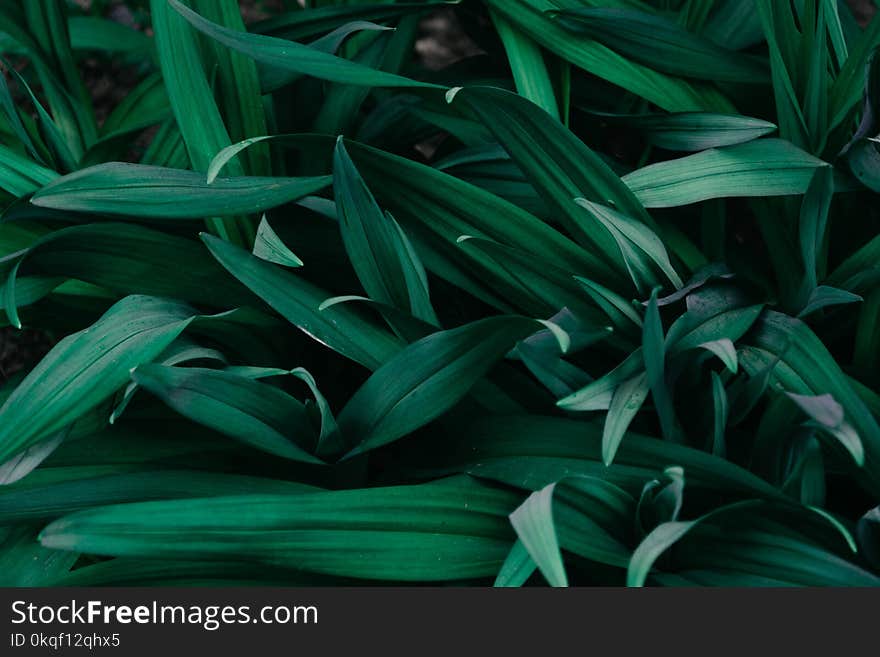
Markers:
<point>600,302</point>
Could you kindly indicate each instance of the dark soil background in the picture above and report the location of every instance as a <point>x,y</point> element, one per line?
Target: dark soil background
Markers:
<point>442,41</point>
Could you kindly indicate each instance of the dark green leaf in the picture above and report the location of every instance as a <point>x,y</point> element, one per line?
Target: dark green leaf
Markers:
<point>662,44</point>
<point>427,378</point>
<point>160,193</point>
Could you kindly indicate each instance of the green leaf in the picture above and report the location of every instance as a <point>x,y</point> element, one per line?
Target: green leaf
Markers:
<point>269,247</point>
<point>330,441</point>
<point>698,327</point>
<point>16,127</point>
<point>517,568</point>
<point>789,544</point>
<point>104,34</point>
<point>824,296</point>
<point>559,376</point>
<point>766,167</point>
<point>273,79</point>
<point>427,378</point>
<point>147,104</point>
<point>597,395</point>
<point>626,402</point>
<point>533,285</point>
<point>298,301</point>
<point>67,93</point>
<point>182,350</point>
<point>380,252</point>
<point>847,88</point>
<point>778,24</point>
<point>725,350</point>
<point>160,193</point>
<point>9,302</point>
<point>20,176</point>
<point>811,370</point>
<point>35,499</point>
<point>816,79</point>
<point>257,414</point>
<point>650,549</point>
<point>24,562</point>
<point>669,93</point>
<point>559,165</point>
<point>541,354</point>
<point>530,224</point>
<point>192,101</point>
<point>593,519</point>
<point>813,221</point>
<point>292,56</point>
<point>654,354</point>
<point>297,25</point>
<point>662,44</point>
<point>868,532</point>
<point>828,414</point>
<point>662,538</point>
<point>404,325</point>
<point>585,515</point>
<point>436,208</point>
<point>638,244</point>
<point>237,86</point>
<point>23,463</point>
<point>864,161</point>
<point>691,131</point>
<point>85,368</point>
<point>719,417</point>
<point>504,448</point>
<point>228,154</point>
<point>64,140</point>
<point>533,522</point>
<point>661,499</point>
<point>806,476</point>
<point>167,147</point>
<point>527,65</point>
<point>129,259</point>
<point>619,311</point>
<point>24,291</point>
<point>453,529</point>
<point>856,272</point>
<point>135,571</point>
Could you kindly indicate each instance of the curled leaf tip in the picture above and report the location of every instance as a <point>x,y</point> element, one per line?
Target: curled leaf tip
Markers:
<point>561,335</point>
<point>450,95</point>
<point>332,301</point>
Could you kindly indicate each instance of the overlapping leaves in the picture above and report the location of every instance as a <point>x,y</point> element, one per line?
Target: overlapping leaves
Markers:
<point>567,312</point>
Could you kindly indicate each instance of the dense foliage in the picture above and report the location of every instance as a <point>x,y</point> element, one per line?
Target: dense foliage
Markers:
<point>597,305</point>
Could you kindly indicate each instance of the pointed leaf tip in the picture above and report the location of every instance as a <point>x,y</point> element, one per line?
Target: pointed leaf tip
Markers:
<point>450,95</point>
